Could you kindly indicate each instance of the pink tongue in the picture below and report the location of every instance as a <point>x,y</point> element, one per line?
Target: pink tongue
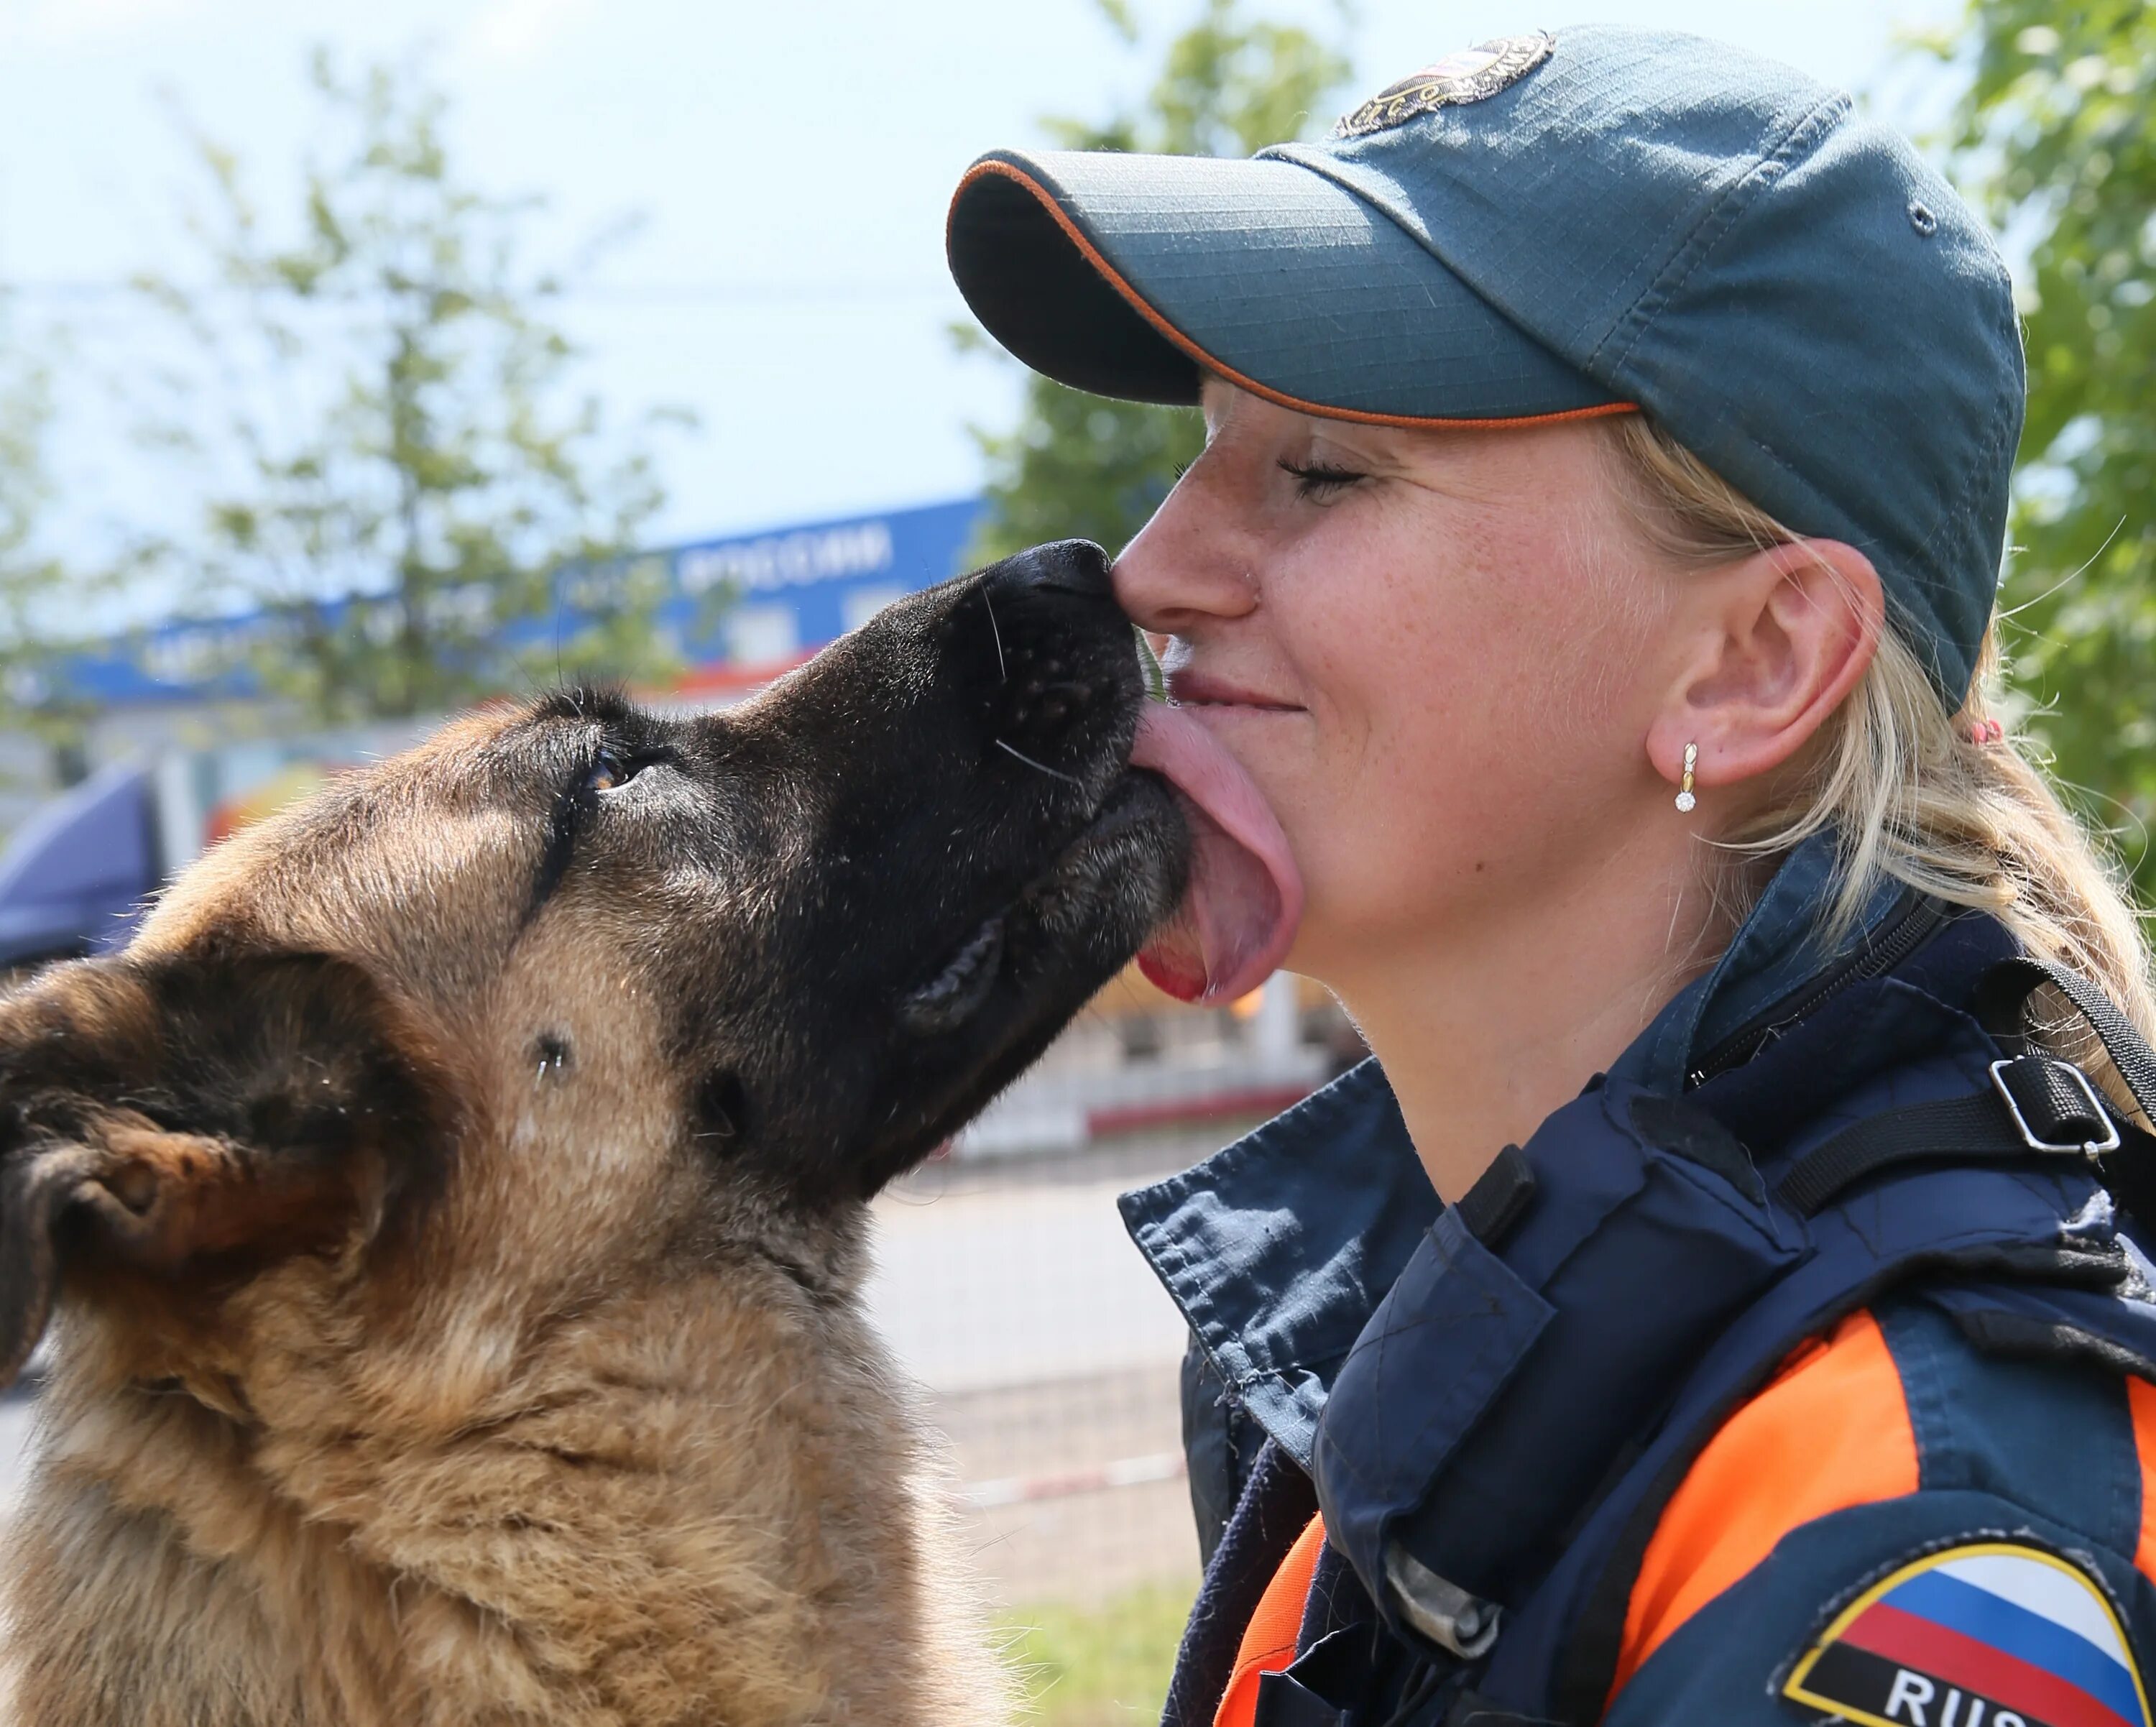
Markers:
<point>1238,914</point>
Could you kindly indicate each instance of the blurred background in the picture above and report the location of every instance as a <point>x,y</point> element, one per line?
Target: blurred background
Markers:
<point>359,363</point>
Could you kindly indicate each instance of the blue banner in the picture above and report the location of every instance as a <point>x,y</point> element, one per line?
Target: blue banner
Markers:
<point>748,599</point>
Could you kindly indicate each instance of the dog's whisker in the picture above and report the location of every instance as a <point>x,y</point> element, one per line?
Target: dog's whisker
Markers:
<point>1040,767</point>
<point>1003,670</point>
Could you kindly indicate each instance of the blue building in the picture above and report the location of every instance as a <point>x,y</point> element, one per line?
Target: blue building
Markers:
<point>786,592</point>
<point>186,748</point>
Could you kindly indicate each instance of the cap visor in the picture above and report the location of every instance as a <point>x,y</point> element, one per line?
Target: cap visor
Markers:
<point>1133,276</point>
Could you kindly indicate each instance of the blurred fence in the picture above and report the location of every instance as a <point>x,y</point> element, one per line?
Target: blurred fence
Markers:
<point>1007,1283</point>
<point>1050,1357</point>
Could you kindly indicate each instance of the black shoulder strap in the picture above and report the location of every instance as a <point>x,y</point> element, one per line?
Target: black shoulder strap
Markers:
<point>2002,999</point>
<point>2036,1105</point>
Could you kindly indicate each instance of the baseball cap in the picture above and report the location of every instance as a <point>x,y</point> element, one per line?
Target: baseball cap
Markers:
<point>1558,224</point>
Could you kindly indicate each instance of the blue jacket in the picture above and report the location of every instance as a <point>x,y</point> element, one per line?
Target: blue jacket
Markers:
<point>1713,1454</point>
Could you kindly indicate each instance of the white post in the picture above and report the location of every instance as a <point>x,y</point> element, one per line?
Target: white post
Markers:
<point>1278,1029</point>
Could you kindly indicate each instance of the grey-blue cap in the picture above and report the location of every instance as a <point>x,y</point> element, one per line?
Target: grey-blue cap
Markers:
<point>1572,223</point>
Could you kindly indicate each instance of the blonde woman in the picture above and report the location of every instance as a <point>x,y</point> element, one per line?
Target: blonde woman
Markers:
<point>1716,1304</point>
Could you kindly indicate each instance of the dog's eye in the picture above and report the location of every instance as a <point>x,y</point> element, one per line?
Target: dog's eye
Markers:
<point>611,772</point>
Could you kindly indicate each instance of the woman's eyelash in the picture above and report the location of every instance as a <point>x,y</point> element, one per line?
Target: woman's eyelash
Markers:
<point>1316,480</point>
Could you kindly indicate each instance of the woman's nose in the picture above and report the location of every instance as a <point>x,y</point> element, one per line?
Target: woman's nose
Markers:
<point>1188,565</point>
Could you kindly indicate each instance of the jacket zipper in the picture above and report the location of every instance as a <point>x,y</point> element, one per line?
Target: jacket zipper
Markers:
<point>1918,918</point>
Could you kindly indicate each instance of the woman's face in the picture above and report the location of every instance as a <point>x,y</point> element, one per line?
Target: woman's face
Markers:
<point>1433,651</point>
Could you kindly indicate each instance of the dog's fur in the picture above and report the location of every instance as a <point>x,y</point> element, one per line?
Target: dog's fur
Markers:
<point>452,1206</point>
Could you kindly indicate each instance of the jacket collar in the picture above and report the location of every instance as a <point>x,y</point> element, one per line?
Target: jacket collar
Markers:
<point>1279,1248</point>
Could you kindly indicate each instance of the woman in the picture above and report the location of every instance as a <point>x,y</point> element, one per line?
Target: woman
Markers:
<point>1709,1307</point>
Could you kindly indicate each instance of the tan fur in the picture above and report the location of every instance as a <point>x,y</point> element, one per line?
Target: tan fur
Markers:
<point>572,1450</point>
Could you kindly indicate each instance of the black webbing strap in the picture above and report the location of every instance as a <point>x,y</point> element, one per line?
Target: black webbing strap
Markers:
<point>2002,995</point>
<point>2036,1105</point>
<point>2001,1000</point>
<point>1973,1127</point>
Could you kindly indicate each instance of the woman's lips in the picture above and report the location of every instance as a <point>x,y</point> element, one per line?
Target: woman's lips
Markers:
<point>1239,913</point>
<point>1192,689</point>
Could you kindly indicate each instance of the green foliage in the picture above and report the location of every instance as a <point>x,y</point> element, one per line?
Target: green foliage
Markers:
<point>1080,466</point>
<point>2057,134</point>
<point>1100,1667</point>
<point>1084,466</point>
<point>41,598</point>
<point>395,472</point>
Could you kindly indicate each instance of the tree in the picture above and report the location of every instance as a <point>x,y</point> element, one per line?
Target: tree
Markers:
<point>402,489</point>
<point>2056,135</point>
<point>1082,465</point>
<point>40,596</point>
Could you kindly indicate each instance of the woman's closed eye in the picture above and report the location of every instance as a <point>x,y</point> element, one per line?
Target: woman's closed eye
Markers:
<point>1318,481</point>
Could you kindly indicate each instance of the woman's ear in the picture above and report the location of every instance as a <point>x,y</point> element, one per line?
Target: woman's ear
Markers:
<point>1772,644</point>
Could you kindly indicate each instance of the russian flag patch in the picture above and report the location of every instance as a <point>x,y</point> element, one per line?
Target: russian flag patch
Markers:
<point>1993,1634</point>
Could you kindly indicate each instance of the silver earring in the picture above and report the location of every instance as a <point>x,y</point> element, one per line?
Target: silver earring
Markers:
<point>1686,803</point>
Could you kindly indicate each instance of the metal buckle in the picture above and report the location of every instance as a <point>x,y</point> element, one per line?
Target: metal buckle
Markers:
<point>1444,1612</point>
<point>2087,1148</point>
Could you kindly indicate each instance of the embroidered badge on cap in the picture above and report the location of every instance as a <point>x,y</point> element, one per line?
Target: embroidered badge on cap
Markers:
<point>1995,1634</point>
<point>1470,76</point>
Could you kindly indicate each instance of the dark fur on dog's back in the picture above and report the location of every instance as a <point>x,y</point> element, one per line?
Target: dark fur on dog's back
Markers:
<point>451,1209</point>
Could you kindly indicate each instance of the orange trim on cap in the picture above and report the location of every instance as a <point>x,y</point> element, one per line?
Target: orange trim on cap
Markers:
<point>1268,1643</point>
<point>1832,1430</point>
<point>2141,1405</point>
<point>1114,278</point>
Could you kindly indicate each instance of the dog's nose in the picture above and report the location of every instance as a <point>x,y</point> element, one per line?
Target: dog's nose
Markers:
<point>1056,603</point>
<point>1075,566</point>
<point>1054,649</point>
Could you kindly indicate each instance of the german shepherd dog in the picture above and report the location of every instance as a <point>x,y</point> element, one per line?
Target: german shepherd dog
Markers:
<point>449,1210</point>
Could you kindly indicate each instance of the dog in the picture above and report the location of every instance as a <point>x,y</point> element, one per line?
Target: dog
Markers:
<point>449,1211</point>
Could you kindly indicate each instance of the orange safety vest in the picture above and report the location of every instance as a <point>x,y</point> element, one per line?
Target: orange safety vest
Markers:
<point>1268,1643</point>
<point>1832,1430</point>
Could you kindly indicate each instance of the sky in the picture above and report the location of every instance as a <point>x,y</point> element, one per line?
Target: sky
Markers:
<point>790,160</point>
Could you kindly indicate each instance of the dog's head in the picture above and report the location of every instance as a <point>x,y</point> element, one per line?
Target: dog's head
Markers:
<point>582,986</point>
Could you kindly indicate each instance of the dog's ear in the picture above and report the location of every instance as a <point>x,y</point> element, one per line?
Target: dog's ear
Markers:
<point>191,1113</point>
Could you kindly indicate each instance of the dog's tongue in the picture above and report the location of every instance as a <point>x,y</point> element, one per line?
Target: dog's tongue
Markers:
<point>1240,912</point>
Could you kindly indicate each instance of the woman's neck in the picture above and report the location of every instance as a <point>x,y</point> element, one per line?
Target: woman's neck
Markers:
<point>1486,1028</point>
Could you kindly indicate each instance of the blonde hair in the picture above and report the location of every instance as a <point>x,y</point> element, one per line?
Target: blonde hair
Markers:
<point>1906,788</point>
